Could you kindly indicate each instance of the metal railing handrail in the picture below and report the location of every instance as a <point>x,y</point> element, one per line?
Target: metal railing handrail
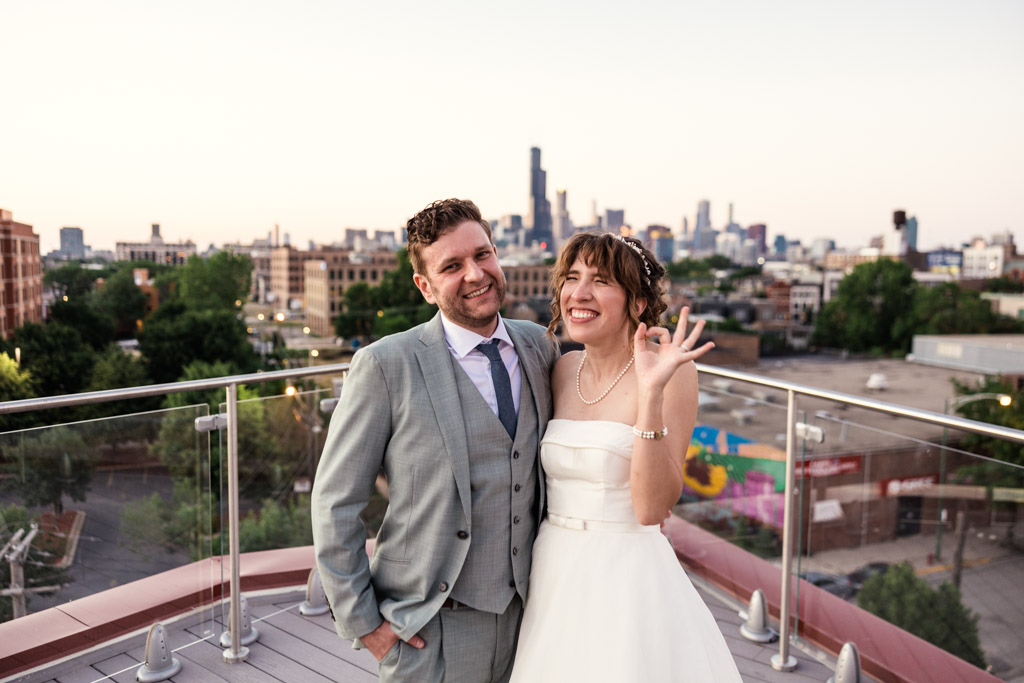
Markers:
<point>952,421</point>
<point>85,398</point>
<point>66,400</point>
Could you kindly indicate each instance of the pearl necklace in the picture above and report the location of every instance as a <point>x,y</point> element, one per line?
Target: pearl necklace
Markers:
<point>579,371</point>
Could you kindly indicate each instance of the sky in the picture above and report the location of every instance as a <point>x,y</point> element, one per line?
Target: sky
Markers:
<point>219,119</point>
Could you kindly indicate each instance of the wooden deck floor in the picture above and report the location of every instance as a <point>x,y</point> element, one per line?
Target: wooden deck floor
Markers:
<point>297,649</point>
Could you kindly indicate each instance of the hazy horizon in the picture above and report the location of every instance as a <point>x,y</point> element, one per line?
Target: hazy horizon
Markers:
<point>219,119</point>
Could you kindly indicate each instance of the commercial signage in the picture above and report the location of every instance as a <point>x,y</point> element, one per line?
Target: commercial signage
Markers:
<point>945,261</point>
<point>911,486</point>
<point>828,468</point>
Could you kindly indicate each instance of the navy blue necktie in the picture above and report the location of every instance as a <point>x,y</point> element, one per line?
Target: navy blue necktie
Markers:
<point>502,386</point>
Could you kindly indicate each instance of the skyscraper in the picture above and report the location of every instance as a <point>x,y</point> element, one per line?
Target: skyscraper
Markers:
<point>703,235</point>
<point>910,233</point>
<point>72,243</point>
<point>614,219</point>
<point>759,233</point>
<point>538,219</point>
<point>563,225</point>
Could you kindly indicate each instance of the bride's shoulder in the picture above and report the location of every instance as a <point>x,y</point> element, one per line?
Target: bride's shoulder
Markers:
<point>567,363</point>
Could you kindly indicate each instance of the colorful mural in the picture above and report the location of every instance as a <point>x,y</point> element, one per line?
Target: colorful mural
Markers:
<point>726,475</point>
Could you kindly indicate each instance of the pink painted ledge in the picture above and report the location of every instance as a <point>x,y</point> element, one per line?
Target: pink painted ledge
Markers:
<point>887,653</point>
<point>38,638</point>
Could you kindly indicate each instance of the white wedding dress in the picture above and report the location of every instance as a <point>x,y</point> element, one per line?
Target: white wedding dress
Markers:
<point>608,600</point>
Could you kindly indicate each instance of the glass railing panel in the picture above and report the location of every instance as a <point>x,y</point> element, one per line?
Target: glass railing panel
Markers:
<point>917,524</point>
<point>734,474</point>
<point>280,438</point>
<point>116,499</point>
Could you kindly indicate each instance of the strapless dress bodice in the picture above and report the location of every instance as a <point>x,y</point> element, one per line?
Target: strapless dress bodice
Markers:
<point>586,468</point>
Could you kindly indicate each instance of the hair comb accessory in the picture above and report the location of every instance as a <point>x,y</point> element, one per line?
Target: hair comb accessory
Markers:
<point>639,252</point>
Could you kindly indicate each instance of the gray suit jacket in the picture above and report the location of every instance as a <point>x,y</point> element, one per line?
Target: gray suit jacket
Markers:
<point>400,410</point>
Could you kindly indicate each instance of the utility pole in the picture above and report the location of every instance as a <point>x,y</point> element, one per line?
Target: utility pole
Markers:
<point>958,552</point>
<point>15,551</point>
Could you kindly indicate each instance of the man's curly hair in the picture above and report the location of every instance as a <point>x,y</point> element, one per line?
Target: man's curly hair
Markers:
<point>430,224</point>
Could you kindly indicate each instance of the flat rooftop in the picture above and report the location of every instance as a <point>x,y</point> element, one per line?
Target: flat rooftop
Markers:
<point>759,413</point>
<point>294,648</point>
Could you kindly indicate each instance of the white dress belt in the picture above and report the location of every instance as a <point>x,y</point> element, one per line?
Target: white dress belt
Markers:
<point>599,525</point>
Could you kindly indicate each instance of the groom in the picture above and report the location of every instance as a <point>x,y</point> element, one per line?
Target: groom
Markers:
<point>454,421</point>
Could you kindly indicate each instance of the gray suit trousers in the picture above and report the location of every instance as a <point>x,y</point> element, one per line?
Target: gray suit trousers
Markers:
<point>463,645</point>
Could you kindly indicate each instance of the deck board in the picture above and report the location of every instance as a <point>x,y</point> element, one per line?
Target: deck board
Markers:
<point>293,648</point>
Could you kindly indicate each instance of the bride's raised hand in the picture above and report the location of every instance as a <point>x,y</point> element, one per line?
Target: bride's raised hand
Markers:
<point>656,364</point>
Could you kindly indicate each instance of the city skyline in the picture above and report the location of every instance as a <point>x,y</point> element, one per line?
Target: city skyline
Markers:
<point>219,120</point>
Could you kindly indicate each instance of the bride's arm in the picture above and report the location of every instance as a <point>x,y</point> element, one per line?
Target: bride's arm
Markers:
<point>667,397</point>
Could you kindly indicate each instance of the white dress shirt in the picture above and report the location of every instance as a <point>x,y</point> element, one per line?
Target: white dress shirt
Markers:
<point>462,343</point>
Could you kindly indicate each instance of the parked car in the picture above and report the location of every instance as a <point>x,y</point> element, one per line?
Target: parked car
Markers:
<point>836,584</point>
<point>858,577</point>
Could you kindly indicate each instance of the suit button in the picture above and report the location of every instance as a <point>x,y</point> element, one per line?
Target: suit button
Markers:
<point>515,551</point>
<point>462,534</point>
<point>511,584</point>
<point>515,455</point>
<point>443,587</point>
<point>515,520</point>
<point>516,488</point>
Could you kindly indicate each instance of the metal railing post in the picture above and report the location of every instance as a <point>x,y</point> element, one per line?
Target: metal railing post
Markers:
<point>236,653</point>
<point>784,661</point>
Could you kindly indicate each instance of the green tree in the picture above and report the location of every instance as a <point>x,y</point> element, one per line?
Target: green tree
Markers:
<point>396,304</point>
<point>115,369</point>
<point>123,301</point>
<point>870,309</point>
<point>1006,471</point>
<point>93,324</point>
<point>277,526</point>
<point>54,354</point>
<point>397,289</point>
<point>176,335</point>
<point>217,282</point>
<point>947,309</point>
<point>1004,284</point>
<point>151,524</point>
<point>936,615</point>
<point>688,269</point>
<point>70,280</point>
<point>15,384</point>
<point>47,464</point>
<point>360,311</point>
<point>718,262</point>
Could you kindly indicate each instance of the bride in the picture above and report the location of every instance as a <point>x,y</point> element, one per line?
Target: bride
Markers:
<point>608,600</point>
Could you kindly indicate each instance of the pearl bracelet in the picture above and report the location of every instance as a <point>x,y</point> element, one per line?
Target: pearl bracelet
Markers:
<point>650,433</point>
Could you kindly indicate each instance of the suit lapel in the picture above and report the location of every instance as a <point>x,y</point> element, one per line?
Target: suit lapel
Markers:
<point>435,361</point>
<point>531,365</point>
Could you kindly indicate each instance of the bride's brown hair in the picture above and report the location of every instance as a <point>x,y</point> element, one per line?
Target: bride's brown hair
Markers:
<point>623,259</point>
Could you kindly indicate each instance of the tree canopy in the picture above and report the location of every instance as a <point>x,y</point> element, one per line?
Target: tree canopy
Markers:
<point>217,282</point>
<point>177,335</point>
<point>880,307</point>
<point>936,615</point>
<point>869,310</point>
<point>392,306</point>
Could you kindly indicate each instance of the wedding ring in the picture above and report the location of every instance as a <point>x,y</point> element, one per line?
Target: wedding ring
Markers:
<point>685,348</point>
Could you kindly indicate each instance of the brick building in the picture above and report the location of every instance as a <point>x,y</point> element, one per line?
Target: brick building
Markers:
<point>21,275</point>
<point>329,273</point>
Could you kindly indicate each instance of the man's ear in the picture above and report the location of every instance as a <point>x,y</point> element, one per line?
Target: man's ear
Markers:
<point>423,285</point>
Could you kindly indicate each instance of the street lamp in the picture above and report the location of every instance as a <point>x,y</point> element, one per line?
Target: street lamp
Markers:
<point>1005,400</point>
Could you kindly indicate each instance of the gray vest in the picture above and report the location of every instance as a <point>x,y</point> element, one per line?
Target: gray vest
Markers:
<point>504,482</point>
